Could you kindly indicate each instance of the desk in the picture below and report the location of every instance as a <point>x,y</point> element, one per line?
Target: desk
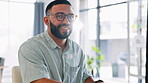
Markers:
<point>2,67</point>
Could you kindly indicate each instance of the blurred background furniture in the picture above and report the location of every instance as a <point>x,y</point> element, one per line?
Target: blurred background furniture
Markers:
<point>1,67</point>
<point>16,75</point>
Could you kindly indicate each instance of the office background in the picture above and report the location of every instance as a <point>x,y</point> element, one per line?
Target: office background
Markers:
<point>114,26</point>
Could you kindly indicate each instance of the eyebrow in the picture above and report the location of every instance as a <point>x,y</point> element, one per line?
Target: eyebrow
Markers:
<point>61,12</point>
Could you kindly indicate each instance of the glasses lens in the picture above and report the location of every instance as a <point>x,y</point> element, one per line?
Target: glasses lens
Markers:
<point>71,17</point>
<point>60,16</point>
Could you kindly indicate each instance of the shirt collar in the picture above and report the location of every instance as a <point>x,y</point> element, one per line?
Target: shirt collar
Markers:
<point>50,40</point>
<point>53,44</point>
<point>68,45</point>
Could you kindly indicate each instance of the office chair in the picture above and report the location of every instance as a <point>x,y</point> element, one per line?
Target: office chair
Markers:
<point>16,75</point>
<point>1,64</point>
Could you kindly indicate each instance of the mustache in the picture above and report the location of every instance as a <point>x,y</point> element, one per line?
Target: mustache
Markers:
<point>63,25</point>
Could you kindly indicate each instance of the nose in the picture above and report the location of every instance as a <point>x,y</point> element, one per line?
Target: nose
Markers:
<point>66,20</point>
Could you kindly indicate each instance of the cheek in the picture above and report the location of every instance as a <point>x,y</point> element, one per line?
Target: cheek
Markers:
<point>71,24</point>
<point>54,21</point>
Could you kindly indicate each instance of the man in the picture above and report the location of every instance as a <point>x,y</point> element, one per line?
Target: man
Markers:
<point>51,57</point>
<point>99,81</point>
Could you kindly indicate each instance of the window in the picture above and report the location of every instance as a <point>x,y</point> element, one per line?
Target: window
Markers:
<point>26,1</point>
<point>113,17</point>
<point>92,19</point>
<point>113,22</point>
<point>16,26</point>
<point>108,2</point>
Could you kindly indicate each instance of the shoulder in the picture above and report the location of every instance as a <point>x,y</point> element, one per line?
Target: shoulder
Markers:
<point>34,42</point>
<point>75,46</point>
<point>32,48</point>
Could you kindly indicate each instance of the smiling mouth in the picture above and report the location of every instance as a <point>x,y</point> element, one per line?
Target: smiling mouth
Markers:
<point>65,27</point>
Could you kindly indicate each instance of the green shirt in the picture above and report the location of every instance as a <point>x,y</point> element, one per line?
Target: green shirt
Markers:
<point>40,57</point>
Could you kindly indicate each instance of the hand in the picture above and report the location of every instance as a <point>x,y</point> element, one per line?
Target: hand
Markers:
<point>99,81</point>
<point>89,80</point>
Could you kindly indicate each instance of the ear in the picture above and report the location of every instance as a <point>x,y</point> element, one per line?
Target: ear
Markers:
<point>46,20</point>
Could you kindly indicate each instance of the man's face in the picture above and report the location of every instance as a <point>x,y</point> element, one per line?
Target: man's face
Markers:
<point>61,31</point>
<point>60,20</point>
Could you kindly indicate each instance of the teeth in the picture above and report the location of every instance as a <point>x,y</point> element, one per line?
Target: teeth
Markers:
<point>65,28</point>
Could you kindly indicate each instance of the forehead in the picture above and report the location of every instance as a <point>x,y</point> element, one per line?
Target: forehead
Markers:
<point>62,8</point>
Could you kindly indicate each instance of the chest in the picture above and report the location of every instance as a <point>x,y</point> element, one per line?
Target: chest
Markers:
<point>59,58</point>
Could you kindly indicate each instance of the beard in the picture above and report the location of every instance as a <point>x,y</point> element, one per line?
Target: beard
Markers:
<point>55,30</point>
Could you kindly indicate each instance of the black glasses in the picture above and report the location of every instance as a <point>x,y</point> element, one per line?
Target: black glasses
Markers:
<point>60,16</point>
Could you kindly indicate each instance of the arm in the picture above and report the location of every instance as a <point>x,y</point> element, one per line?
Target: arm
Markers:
<point>89,80</point>
<point>32,65</point>
<point>45,80</point>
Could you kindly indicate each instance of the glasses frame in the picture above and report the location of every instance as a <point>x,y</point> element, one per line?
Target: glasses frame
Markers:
<point>69,16</point>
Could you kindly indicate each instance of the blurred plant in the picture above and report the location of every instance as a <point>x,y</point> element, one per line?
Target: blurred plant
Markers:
<point>95,59</point>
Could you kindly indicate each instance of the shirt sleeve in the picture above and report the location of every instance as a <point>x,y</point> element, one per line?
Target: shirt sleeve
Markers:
<point>31,63</point>
<point>86,72</point>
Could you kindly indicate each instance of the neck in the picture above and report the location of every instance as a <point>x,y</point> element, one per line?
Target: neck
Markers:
<point>59,42</point>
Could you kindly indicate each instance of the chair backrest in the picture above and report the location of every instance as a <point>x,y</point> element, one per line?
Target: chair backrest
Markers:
<point>2,60</point>
<point>1,69</point>
<point>16,75</point>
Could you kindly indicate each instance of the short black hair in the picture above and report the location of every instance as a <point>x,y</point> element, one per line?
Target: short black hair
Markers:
<point>56,2</point>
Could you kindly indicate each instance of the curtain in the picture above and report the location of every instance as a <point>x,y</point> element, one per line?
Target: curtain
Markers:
<point>146,77</point>
<point>38,19</point>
